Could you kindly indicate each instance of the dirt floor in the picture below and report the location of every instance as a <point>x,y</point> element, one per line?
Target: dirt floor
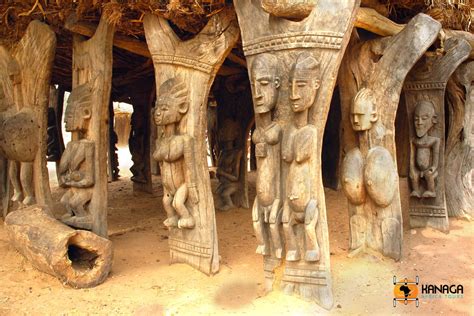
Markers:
<point>143,283</point>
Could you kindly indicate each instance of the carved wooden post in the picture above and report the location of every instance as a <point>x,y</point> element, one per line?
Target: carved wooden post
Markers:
<point>460,143</point>
<point>184,71</point>
<point>370,83</point>
<point>292,67</point>
<point>25,73</point>
<point>83,167</point>
<point>424,95</point>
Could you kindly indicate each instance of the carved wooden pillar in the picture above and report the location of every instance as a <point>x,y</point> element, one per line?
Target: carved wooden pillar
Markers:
<point>292,67</point>
<point>424,96</point>
<point>184,71</point>
<point>25,73</point>
<point>83,166</point>
<point>370,83</point>
<point>113,162</point>
<point>460,143</point>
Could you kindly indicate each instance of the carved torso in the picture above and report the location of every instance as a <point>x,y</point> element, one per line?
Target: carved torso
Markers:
<point>267,151</point>
<point>76,167</point>
<point>298,149</point>
<point>424,150</point>
<point>170,152</point>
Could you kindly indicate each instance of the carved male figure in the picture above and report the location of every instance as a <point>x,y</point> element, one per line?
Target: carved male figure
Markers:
<point>299,148</point>
<point>265,81</point>
<point>424,162</point>
<point>228,163</point>
<point>76,168</point>
<point>174,151</point>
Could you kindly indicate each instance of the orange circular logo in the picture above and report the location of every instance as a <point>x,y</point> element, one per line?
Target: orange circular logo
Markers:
<point>405,289</point>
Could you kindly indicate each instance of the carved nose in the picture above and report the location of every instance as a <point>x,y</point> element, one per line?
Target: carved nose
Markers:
<point>258,92</point>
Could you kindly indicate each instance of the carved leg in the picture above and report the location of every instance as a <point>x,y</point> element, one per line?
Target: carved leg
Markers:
<point>293,252</point>
<point>415,183</point>
<point>79,200</point>
<point>430,184</point>
<point>65,201</point>
<point>15,180</point>
<point>186,220</point>
<point>26,177</point>
<point>259,227</point>
<point>226,196</point>
<point>311,218</point>
<point>358,225</point>
<point>391,238</point>
<point>274,221</point>
<point>172,220</point>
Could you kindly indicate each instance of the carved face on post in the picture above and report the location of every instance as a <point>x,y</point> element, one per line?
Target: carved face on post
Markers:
<point>424,117</point>
<point>265,82</point>
<point>304,82</point>
<point>172,102</point>
<point>363,110</point>
<point>79,109</point>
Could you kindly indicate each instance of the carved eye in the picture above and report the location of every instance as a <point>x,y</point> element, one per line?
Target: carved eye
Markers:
<point>301,84</point>
<point>264,82</point>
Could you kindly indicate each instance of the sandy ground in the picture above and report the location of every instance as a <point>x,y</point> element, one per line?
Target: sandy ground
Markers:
<point>143,283</point>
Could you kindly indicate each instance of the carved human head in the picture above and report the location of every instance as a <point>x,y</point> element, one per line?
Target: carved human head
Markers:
<point>304,82</point>
<point>265,82</point>
<point>363,110</point>
<point>424,117</point>
<point>79,108</point>
<point>172,102</point>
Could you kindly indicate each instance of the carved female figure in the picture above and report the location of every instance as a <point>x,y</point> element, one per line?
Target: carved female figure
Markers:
<point>299,147</point>
<point>424,163</point>
<point>265,81</point>
<point>174,151</point>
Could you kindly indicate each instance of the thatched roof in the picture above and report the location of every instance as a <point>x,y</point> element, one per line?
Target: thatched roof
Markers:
<point>187,18</point>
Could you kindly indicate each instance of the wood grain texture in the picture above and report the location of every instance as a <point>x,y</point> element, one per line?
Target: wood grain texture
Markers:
<point>88,119</point>
<point>300,61</point>
<point>370,82</point>
<point>189,68</point>
<point>25,74</point>
<point>460,143</point>
<point>424,91</point>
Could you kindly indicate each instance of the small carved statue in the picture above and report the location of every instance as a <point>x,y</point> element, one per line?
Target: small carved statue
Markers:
<point>174,151</point>
<point>76,168</point>
<point>424,163</point>
<point>228,163</point>
<point>265,81</point>
<point>299,149</point>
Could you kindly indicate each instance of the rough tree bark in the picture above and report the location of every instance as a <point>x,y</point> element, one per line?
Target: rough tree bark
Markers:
<point>424,91</point>
<point>184,72</point>
<point>77,258</point>
<point>370,82</point>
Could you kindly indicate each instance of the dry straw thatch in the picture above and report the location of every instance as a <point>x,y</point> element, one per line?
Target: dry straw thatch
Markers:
<point>191,15</point>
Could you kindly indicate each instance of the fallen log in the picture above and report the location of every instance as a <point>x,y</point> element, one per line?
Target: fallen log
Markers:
<point>78,258</point>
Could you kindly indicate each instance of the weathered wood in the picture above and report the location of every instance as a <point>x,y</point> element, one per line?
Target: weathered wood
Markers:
<point>77,258</point>
<point>83,166</point>
<point>292,68</point>
<point>460,143</point>
<point>25,73</point>
<point>184,72</point>
<point>424,96</point>
<point>370,83</point>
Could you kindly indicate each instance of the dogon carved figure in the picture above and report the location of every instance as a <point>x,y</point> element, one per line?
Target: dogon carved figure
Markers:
<point>424,163</point>
<point>174,151</point>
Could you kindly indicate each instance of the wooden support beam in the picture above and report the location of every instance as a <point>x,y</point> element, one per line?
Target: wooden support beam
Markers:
<point>125,42</point>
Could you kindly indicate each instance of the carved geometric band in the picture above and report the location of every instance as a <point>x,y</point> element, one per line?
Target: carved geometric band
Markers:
<point>424,85</point>
<point>189,248</point>
<point>428,211</point>
<point>183,61</point>
<point>305,276</point>
<point>278,42</point>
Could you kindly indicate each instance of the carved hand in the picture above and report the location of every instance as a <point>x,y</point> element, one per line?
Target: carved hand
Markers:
<point>194,195</point>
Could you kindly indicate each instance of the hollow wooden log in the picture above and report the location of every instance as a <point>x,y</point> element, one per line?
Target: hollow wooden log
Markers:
<point>78,258</point>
